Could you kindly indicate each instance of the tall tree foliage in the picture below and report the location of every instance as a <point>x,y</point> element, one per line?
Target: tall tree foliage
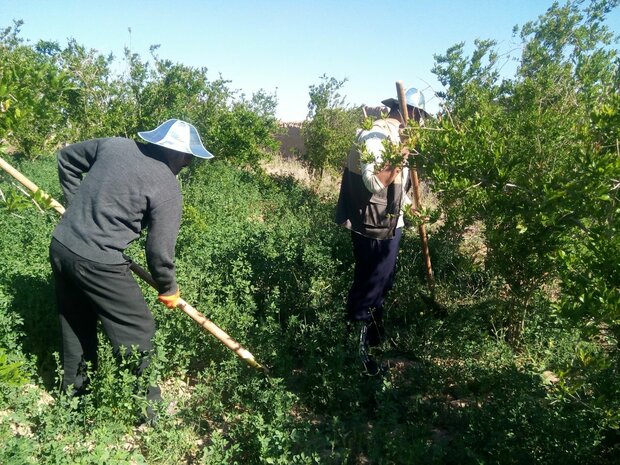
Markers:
<point>245,133</point>
<point>329,130</point>
<point>535,158</point>
<point>31,85</point>
<point>52,95</point>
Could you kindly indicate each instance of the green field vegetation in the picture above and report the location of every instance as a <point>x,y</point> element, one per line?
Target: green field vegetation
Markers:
<point>516,359</point>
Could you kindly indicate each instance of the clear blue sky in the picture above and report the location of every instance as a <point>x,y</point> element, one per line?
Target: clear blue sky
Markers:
<point>285,46</point>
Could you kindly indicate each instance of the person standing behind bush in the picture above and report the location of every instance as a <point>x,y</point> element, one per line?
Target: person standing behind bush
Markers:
<point>372,196</point>
<point>114,188</point>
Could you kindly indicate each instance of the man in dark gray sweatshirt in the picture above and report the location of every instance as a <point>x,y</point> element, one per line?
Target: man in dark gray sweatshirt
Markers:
<point>115,188</point>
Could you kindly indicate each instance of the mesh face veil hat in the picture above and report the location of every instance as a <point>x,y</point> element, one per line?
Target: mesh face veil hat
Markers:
<point>177,135</point>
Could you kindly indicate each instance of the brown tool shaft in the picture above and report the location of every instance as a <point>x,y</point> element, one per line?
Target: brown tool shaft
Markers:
<point>203,321</point>
<point>145,275</point>
<point>30,185</point>
<point>415,183</point>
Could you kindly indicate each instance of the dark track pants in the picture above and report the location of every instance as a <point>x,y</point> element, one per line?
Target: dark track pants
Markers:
<point>87,291</point>
<point>375,266</point>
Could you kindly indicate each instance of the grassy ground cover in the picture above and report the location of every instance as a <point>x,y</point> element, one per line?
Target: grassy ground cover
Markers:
<point>261,257</point>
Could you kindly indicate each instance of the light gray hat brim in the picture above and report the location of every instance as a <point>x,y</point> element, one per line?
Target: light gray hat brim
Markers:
<point>179,136</point>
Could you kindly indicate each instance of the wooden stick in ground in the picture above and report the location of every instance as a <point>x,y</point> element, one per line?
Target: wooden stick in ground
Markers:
<point>146,276</point>
<point>415,182</point>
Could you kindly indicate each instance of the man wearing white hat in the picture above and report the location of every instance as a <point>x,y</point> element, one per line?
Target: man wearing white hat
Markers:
<point>371,205</point>
<point>114,188</point>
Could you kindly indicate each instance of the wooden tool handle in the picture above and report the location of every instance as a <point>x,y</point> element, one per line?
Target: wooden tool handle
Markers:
<point>30,185</point>
<point>203,321</point>
<point>415,183</point>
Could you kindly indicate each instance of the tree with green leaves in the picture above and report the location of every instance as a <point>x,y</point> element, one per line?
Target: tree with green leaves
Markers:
<point>51,95</point>
<point>523,155</point>
<point>535,159</point>
<point>33,90</point>
<point>329,130</point>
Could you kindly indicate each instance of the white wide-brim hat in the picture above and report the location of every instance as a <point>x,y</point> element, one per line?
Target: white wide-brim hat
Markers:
<point>177,135</point>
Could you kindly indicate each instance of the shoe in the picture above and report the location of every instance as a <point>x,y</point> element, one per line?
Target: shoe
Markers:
<point>375,333</point>
<point>371,367</point>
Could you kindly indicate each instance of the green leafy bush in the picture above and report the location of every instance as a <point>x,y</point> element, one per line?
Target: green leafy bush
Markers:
<point>53,95</point>
<point>329,131</point>
<point>10,372</point>
<point>523,156</point>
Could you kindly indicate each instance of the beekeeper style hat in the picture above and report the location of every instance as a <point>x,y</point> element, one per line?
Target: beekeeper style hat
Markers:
<point>413,97</point>
<point>177,135</point>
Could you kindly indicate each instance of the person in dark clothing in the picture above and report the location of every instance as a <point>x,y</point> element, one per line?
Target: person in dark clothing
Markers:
<point>371,202</point>
<point>114,188</point>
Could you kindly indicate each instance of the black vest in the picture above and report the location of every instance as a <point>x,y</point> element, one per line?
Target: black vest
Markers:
<point>372,215</point>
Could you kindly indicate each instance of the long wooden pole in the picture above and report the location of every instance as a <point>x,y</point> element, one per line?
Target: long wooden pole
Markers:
<point>30,185</point>
<point>146,276</point>
<point>203,321</point>
<point>415,182</point>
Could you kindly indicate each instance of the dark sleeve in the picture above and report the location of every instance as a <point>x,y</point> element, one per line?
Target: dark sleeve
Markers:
<point>163,229</point>
<point>73,161</point>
